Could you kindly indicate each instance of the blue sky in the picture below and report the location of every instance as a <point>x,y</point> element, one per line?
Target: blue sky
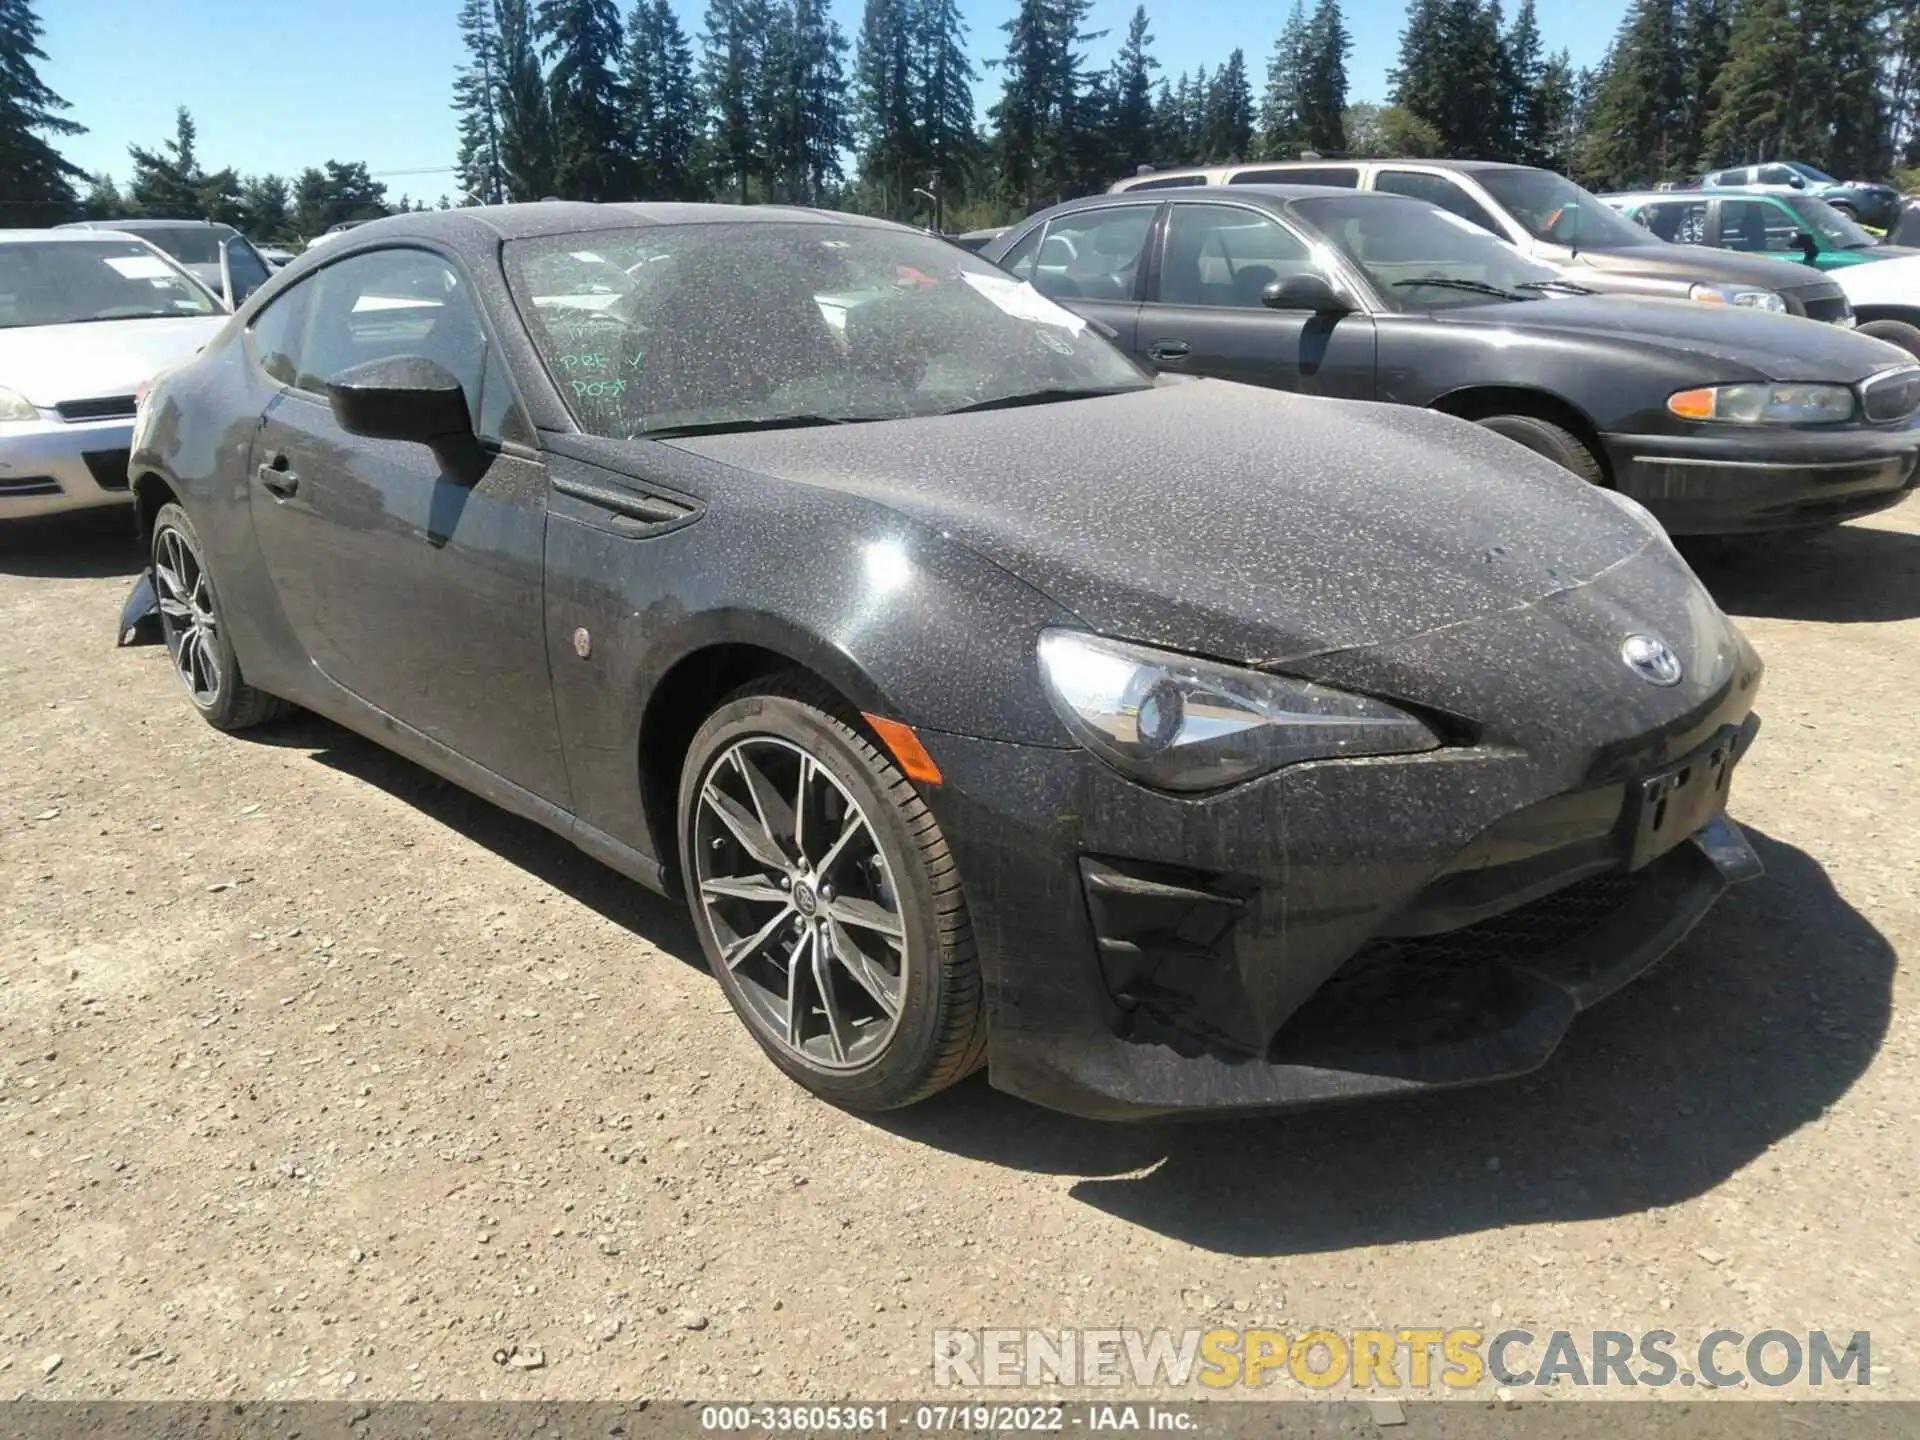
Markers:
<point>276,85</point>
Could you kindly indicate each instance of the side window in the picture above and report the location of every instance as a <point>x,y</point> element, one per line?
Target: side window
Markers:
<point>1093,254</point>
<point>275,333</point>
<point>1682,221</point>
<point>389,303</point>
<point>1775,175</point>
<point>1172,182</point>
<point>1437,190</point>
<point>1222,255</point>
<point>245,268</point>
<point>1756,226</point>
<point>1018,261</point>
<point>1343,177</point>
<point>500,417</point>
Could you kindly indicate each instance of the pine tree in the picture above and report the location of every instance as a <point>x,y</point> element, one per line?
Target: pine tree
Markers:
<point>1035,142</point>
<point>1554,132</point>
<point>36,181</point>
<point>475,101</point>
<point>805,112</point>
<point>264,207</point>
<point>168,183</point>
<point>1756,107</point>
<point>733,82</point>
<point>583,39</point>
<point>1323,80</point>
<point>1134,140</point>
<point>1228,133</point>
<point>102,200</point>
<point>1452,75</point>
<point>886,104</point>
<point>1639,119</point>
<point>663,111</point>
<point>1703,42</point>
<point>1851,52</point>
<point>1281,133</point>
<point>527,158</point>
<point>948,143</point>
<point>1526,124</point>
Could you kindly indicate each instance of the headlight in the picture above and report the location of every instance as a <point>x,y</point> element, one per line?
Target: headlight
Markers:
<point>1765,404</point>
<point>15,406</point>
<point>1738,295</point>
<point>1178,723</point>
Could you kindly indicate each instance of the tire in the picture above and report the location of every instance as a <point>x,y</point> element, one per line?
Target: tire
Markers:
<point>898,872</point>
<point>194,626</point>
<point>1895,332</point>
<point>1543,437</point>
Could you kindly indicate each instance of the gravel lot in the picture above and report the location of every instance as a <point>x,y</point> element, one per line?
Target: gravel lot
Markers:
<point>320,1078</point>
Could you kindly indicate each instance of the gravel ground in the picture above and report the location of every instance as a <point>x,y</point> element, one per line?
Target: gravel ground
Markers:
<point>320,1078</point>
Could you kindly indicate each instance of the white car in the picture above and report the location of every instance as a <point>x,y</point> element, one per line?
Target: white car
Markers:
<point>87,319</point>
<point>1886,299</point>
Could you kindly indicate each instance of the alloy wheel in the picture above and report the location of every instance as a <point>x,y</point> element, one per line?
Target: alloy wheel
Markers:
<point>188,620</point>
<point>800,897</point>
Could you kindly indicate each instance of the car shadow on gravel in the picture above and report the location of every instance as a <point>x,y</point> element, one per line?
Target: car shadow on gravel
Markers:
<point>1759,1023</point>
<point>86,545</point>
<point>533,848</point>
<point>1848,574</point>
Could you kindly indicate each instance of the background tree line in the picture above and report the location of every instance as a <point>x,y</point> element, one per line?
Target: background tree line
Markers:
<point>770,101</point>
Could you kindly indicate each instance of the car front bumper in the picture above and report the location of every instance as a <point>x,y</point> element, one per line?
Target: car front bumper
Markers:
<point>1332,932</point>
<point>49,466</point>
<point>1736,483</point>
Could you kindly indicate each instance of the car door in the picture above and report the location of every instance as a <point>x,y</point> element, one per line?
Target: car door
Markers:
<point>1758,227</point>
<point>1204,314</point>
<point>418,592</point>
<point>1685,222</point>
<point>1093,262</point>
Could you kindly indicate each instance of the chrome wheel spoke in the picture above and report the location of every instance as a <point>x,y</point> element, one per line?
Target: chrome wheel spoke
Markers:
<point>776,819</point>
<point>867,915</point>
<point>752,888</point>
<point>745,828</point>
<point>856,825</point>
<point>840,1035</point>
<point>800,808</point>
<point>870,977</point>
<point>743,949</point>
<point>798,974</point>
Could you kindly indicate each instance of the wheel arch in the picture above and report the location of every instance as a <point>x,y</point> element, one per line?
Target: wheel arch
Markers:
<point>151,491</point>
<point>1477,402</point>
<point>1867,314</point>
<point>692,676</point>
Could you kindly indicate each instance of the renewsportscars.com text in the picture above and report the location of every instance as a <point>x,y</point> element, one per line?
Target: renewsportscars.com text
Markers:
<point>1404,1358</point>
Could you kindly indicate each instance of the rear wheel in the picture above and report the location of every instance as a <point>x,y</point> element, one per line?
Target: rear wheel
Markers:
<point>195,629</point>
<point>827,902</point>
<point>1895,332</point>
<point>1557,443</point>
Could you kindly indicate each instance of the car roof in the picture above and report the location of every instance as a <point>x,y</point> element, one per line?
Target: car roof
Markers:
<point>63,236</point>
<point>1325,162</point>
<point>145,225</point>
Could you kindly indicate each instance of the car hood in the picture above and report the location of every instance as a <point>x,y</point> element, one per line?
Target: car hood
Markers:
<point>1696,262</point>
<point>1776,347</point>
<point>1227,520</point>
<point>1885,282</point>
<point>51,364</point>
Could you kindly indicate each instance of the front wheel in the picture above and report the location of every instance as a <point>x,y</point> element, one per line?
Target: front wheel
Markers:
<point>195,629</point>
<point>1895,332</point>
<point>1557,443</point>
<point>827,902</point>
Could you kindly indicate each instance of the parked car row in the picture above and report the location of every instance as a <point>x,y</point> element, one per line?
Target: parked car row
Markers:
<point>1869,202</point>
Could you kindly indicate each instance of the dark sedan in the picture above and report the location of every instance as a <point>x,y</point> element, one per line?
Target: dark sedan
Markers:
<point>1161,744</point>
<point>1719,419</point>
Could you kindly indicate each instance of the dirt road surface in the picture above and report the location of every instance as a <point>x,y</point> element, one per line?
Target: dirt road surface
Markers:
<point>319,1078</point>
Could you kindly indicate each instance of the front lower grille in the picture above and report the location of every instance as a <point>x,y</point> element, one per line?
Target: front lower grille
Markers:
<point>1892,395</point>
<point>107,407</point>
<point>1532,930</point>
<point>109,467</point>
<point>19,487</point>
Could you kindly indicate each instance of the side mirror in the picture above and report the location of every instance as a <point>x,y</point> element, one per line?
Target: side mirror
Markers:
<point>1805,244</point>
<point>1797,182</point>
<point>410,397</point>
<point>1304,292</point>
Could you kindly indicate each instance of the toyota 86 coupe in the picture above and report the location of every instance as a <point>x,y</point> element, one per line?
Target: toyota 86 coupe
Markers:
<point>1161,744</point>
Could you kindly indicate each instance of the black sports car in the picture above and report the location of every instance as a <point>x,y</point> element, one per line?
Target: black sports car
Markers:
<point>1164,744</point>
<point>1719,419</point>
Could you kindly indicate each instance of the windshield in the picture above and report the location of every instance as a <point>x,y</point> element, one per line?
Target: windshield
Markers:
<point>1421,257</point>
<point>69,282</point>
<point>1551,207</point>
<point>733,325</point>
<point>1811,173</point>
<point>1829,223</point>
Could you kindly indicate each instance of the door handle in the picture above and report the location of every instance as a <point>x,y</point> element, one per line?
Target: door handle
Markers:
<point>1169,352</point>
<point>278,478</point>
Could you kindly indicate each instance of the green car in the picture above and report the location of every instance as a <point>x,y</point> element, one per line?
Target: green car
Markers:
<point>1793,227</point>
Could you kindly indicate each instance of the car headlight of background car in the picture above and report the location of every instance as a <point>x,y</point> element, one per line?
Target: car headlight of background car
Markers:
<point>1765,404</point>
<point>15,406</point>
<point>1744,297</point>
<point>1178,723</point>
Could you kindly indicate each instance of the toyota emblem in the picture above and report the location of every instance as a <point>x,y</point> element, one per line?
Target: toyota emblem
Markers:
<point>1652,660</point>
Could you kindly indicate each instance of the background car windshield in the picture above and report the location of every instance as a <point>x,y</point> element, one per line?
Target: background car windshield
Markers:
<point>736,324</point>
<point>1812,174</point>
<point>1824,220</point>
<point>70,282</point>
<point>1551,207</point>
<point>1405,245</point>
